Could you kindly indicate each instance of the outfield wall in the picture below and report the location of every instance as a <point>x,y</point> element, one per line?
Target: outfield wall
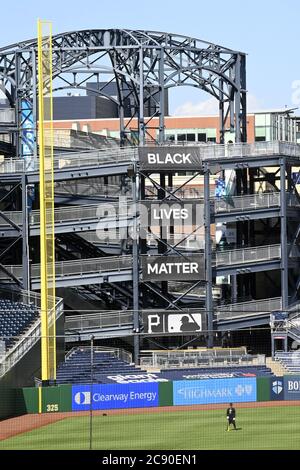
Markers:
<point>64,398</point>
<point>13,401</point>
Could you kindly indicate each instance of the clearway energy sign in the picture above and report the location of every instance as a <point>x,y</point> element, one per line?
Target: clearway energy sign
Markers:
<point>170,268</point>
<point>170,158</point>
<point>109,396</point>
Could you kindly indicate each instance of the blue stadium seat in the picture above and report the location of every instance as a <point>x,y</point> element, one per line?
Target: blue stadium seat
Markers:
<point>77,370</point>
<point>289,360</point>
<point>15,319</point>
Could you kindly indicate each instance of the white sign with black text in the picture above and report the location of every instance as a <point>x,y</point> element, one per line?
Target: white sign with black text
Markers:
<point>170,158</point>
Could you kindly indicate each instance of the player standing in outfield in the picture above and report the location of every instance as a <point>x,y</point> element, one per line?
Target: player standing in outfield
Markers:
<point>230,414</point>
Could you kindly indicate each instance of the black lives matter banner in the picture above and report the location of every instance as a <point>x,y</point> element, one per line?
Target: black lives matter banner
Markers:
<point>173,322</point>
<point>171,213</point>
<point>170,158</point>
<point>172,268</point>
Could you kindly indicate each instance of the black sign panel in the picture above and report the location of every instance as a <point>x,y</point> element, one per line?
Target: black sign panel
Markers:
<point>173,322</point>
<point>171,213</point>
<point>170,158</point>
<point>172,268</point>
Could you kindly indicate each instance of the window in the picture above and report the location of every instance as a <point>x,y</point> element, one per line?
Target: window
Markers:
<point>260,134</point>
<point>211,139</point>
<point>191,137</point>
<point>181,137</point>
<point>202,137</point>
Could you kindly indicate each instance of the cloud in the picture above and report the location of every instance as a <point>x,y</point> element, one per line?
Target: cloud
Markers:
<point>211,107</point>
<point>189,108</point>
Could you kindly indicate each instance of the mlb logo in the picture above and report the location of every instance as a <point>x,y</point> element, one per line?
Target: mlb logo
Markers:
<point>184,323</point>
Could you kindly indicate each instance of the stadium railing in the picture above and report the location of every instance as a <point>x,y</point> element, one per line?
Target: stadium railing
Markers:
<point>118,155</point>
<point>201,358</point>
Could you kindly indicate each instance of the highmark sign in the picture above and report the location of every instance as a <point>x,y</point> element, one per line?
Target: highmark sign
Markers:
<point>200,392</point>
<point>170,268</point>
<point>170,158</point>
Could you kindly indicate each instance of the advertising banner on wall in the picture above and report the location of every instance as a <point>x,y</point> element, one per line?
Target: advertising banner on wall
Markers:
<point>291,387</point>
<point>173,322</point>
<point>172,268</point>
<point>276,388</point>
<point>198,374</point>
<point>132,378</point>
<point>112,396</point>
<point>27,134</point>
<point>200,392</point>
<point>220,187</point>
<point>175,158</point>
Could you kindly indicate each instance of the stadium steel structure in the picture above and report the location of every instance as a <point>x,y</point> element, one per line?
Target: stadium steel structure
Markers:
<point>144,64</point>
<point>140,62</point>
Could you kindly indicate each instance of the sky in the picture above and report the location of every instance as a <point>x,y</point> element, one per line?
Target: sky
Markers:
<point>267,30</point>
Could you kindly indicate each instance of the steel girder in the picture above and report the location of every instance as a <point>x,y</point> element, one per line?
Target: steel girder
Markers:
<point>143,64</point>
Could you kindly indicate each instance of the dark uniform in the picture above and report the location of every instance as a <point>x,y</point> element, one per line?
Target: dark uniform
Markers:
<point>230,414</point>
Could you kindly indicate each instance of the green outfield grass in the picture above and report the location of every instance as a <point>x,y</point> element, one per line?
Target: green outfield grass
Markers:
<point>259,428</point>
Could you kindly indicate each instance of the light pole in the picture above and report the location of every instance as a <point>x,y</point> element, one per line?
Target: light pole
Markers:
<point>91,392</point>
<point>132,173</point>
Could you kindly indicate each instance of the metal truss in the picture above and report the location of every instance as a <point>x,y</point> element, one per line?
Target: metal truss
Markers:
<point>143,63</point>
<point>15,194</point>
<point>293,234</point>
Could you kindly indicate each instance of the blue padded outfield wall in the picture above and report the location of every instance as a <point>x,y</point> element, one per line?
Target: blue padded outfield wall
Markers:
<point>185,392</point>
<point>142,395</point>
<point>150,394</point>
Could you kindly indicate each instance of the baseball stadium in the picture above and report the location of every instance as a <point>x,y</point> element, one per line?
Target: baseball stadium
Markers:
<point>149,264</point>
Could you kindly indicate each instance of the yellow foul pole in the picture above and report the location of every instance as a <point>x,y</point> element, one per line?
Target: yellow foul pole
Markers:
<point>47,240</point>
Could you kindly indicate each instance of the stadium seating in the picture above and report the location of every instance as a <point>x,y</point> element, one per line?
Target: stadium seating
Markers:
<point>15,319</point>
<point>289,360</point>
<point>77,367</point>
<point>215,357</point>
